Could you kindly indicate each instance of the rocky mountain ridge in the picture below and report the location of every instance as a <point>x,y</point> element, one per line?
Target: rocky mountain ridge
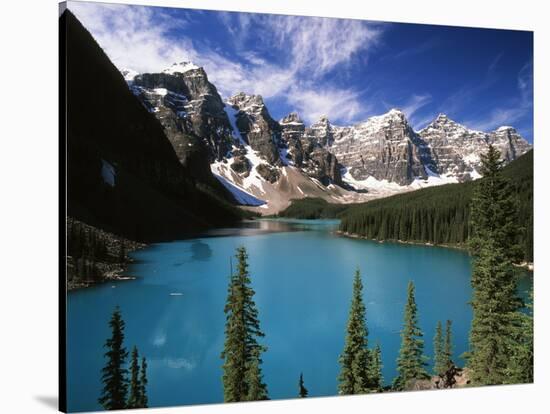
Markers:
<point>252,154</point>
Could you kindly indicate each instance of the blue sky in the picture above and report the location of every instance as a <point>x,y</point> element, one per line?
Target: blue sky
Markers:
<point>345,69</point>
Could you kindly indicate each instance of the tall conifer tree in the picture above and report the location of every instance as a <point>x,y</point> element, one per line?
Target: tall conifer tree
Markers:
<point>134,399</point>
<point>242,377</point>
<point>256,389</point>
<point>302,390</point>
<point>144,403</point>
<point>495,323</point>
<point>520,369</point>
<point>448,348</point>
<point>411,360</point>
<point>440,360</point>
<point>115,383</point>
<point>354,360</point>
<point>376,380</point>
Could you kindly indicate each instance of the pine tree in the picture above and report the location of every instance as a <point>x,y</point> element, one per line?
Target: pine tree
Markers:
<point>115,384</point>
<point>256,389</point>
<point>494,209</point>
<point>440,360</point>
<point>134,399</point>
<point>411,360</point>
<point>448,347</point>
<point>354,360</point>
<point>376,380</point>
<point>520,369</point>
<point>241,353</point>
<point>144,402</point>
<point>302,390</point>
<point>495,323</point>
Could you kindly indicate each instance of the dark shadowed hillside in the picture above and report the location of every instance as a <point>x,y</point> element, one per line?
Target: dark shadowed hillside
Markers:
<point>122,172</point>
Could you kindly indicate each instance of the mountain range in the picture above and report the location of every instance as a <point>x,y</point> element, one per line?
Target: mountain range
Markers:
<point>265,163</point>
<point>144,147</point>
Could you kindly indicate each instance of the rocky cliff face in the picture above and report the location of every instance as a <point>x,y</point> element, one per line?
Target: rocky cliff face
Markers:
<point>194,103</point>
<point>293,130</point>
<point>256,127</point>
<point>307,148</point>
<point>172,109</point>
<point>247,149</point>
<point>511,144</point>
<point>383,147</point>
<point>451,149</point>
<point>322,132</point>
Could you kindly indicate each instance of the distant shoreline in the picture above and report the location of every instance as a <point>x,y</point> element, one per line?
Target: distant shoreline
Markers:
<point>525,265</point>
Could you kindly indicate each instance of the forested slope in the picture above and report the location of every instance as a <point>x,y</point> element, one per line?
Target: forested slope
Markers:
<point>312,208</point>
<point>438,215</point>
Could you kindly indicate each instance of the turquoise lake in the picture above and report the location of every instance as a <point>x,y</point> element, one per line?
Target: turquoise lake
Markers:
<point>302,274</point>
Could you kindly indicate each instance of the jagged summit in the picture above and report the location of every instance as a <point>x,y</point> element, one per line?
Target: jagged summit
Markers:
<point>292,118</point>
<point>180,67</point>
<point>442,121</point>
<point>323,120</point>
<point>395,112</point>
<point>394,115</point>
<point>244,100</point>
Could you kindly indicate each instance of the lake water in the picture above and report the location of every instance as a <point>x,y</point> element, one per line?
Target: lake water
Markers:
<point>302,274</point>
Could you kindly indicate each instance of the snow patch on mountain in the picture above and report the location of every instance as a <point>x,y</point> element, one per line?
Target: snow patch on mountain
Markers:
<point>251,183</point>
<point>161,91</point>
<point>129,74</point>
<point>232,116</point>
<point>382,188</point>
<point>180,67</point>
<point>241,196</point>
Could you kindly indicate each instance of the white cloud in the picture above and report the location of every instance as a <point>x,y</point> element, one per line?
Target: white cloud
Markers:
<point>318,45</point>
<point>494,63</point>
<point>415,103</point>
<point>132,36</point>
<point>340,104</point>
<point>516,110</point>
<point>426,46</point>
<point>498,117</point>
<point>138,38</point>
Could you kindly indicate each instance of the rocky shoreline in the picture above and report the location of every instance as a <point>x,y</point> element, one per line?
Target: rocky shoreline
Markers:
<point>95,256</point>
<point>525,265</point>
<point>115,274</point>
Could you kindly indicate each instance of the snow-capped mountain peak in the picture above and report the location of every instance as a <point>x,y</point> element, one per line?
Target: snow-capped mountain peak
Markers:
<point>180,67</point>
<point>129,74</point>
<point>394,112</point>
<point>506,128</point>
<point>443,122</point>
<point>247,103</point>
